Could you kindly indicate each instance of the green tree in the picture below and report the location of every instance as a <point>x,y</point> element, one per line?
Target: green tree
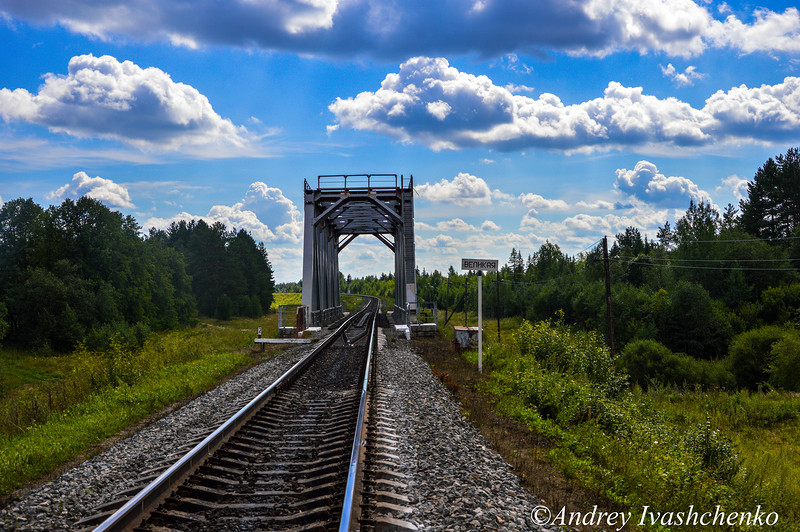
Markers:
<point>772,207</point>
<point>224,310</point>
<point>693,324</point>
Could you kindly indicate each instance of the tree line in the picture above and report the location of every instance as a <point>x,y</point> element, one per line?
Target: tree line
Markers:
<point>714,300</point>
<point>79,271</point>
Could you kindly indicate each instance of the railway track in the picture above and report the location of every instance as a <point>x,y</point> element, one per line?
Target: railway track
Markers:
<point>290,459</point>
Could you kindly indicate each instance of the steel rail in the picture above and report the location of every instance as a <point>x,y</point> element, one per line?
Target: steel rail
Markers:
<point>348,513</point>
<point>129,515</point>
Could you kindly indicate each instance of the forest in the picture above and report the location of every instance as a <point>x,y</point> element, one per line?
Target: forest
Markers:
<point>80,272</point>
<point>712,302</point>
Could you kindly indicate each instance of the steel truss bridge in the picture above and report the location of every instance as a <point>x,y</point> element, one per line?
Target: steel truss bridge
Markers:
<point>338,210</point>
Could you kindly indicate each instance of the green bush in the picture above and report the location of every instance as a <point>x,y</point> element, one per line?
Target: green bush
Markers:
<point>558,348</point>
<point>785,369</point>
<point>716,451</point>
<point>694,323</point>
<point>648,361</point>
<point>750,355</point>
<point>781,304</point>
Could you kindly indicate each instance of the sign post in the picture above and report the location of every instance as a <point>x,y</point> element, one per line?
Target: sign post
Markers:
<point>482,265</point>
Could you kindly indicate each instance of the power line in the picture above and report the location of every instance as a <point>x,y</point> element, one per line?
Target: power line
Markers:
<point>753,239</point>
<point>590,246</point>
<point>665,259</point>
<point>704,267</point>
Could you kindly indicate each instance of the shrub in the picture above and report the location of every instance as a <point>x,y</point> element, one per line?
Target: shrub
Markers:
<point>716,451</point>
<point>750,355</point>
<point>785,369</point>
<point>780,304</point>
<point>643,360</point>
<point>557,348</point>
<point>648,361</point>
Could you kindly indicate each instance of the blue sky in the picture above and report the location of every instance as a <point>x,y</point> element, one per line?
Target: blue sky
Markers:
<point>521,122</point>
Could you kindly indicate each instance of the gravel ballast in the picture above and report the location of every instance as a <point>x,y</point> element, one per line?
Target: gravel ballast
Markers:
<point>454,480</point>
<point>75,494</point>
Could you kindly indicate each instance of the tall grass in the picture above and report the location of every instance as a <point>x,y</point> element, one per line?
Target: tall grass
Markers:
<point>662,449</point>
<point>97,393</point>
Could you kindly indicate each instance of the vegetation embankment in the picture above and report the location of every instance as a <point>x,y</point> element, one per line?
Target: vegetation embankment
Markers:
<point>56,408</point>
<point>671,449</point>
<point>96,323</point>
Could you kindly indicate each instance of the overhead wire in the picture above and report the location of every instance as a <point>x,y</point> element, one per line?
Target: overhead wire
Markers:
<point>728,268</point>
<point>669,259</point>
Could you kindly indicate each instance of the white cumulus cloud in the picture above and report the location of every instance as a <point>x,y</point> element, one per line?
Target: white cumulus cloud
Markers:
<point>101,97</point>
<point>645,183</point>
<point>484,114</point>
<point>463,190</point>
<point>105,190</point>
<point>682,79</point>
<point>535,202</point>
<point>769,32</point>
<point>264,212</point>
<point>736,185</point>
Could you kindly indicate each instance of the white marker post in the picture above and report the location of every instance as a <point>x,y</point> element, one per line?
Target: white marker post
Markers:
<point>480,321</point>
<point>482,265</point>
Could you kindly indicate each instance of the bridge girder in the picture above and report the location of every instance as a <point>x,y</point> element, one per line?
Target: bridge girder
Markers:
<point>347,206</point>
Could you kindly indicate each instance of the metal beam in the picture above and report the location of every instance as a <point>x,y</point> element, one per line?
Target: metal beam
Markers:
<point>382,206</point>
<point>384,240</point>
<point>324,215</point>
<point>346,241</point>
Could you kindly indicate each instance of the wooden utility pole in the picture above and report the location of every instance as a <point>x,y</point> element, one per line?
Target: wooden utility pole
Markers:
<point>447,297</point>
<point>466,278</point>
<point>609,313</point>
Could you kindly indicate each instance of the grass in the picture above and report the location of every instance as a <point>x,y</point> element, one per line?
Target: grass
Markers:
<point>765,429</point>
<point>286,298</point>
<point>621,448</point>
<point>527,451</point>
<point>54,409</point>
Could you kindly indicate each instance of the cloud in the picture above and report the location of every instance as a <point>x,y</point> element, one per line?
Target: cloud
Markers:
<point>481,113</point>
<point>1,202</point>
<point>464,190</point>
<point>770,32</point>
<point>101,97</point>
<point>414,27</point>
<point>535,202</point>
<point>600,205</point>
<point>645,183</point>
<point>104,190</point>
<point>264,212</point>
<point>457,225</point>
<point>682,79</point>
<point>736,185</point>
<point>587,228</point>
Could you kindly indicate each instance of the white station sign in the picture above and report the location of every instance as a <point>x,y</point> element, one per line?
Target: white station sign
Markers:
<point>486,265</point>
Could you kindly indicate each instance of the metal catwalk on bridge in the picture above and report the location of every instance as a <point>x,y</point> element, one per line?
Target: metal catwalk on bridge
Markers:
<point>343,207</point>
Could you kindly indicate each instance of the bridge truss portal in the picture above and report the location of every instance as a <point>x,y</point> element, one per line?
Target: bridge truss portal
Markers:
<point>343,207</point>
